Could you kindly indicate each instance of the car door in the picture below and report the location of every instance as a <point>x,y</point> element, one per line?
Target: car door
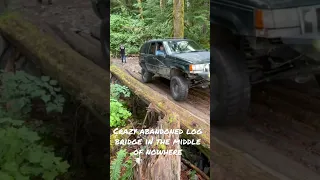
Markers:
<point>149,60</point>
<point>159,62</point>
<point>164,63</point>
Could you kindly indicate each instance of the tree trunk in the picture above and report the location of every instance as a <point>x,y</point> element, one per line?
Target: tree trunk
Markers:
<point>75,73</point>
<point>140,9</point>
<point>162,4</point>
<point>178,18</point>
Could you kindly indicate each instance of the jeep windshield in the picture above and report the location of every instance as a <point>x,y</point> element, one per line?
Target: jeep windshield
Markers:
<point>182,46</point>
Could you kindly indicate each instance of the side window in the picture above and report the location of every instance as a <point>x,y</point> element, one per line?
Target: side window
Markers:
<point>144,47</point>
<point>160,44</point>
<point>152,49</point>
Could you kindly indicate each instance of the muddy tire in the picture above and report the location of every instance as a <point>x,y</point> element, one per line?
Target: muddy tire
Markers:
<point>230,87</point>
<point>146,76</point>
<point>179,87</point>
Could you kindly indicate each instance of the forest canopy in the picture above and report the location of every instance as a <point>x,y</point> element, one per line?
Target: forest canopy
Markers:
<point>133,22</point>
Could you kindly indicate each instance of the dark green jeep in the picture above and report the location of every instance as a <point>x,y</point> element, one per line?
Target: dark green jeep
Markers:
<point>183,62</point>
<point>256,41</point>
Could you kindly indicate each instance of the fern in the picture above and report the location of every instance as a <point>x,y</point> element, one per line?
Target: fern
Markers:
<point>116,165</point>
<point>128,174</point>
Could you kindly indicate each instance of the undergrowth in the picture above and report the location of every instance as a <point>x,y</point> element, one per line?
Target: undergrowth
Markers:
<point>118,112</point>
<point>120,169</point>
<point>23,155</point>
<point>119,164</point>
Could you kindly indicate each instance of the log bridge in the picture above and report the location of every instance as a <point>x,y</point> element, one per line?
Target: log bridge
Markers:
<point>82,73</point>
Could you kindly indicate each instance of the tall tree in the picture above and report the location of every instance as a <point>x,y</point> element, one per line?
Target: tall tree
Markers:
<point>178,18</point>
<point>162,4</point>
<point>140,9</point>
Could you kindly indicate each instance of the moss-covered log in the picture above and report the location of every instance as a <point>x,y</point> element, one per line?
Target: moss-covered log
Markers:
<point>76,74</point>
<point>174,112</point>
<point>227,162</point>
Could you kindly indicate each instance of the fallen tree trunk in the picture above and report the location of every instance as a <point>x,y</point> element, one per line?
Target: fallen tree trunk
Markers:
<point>233,163</point>
<point>82,46</point>
<point>156,167</point>
<point>76,74</point>
<point>176,113</point>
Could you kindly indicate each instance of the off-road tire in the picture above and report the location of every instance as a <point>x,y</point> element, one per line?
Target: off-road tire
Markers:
<point>233,85</point>
<point>180,93</point>
<point>146,75</point>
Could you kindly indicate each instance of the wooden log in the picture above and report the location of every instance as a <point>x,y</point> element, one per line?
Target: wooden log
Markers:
<point>156,167</point>
<point>76,74</point>
<point>187,119</point>
<point>83,46</point>
<point>227,162</point>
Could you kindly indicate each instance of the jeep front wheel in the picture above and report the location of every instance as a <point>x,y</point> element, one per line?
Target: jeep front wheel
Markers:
<point>179,87</point>
<point>230,87</point>
<point>146,75</point>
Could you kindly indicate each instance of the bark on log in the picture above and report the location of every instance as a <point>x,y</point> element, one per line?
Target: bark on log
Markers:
<point>76,74</point>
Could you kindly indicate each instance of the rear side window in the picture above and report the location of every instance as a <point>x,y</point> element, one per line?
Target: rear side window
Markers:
<point>144,47</point>
<point>152,49</point>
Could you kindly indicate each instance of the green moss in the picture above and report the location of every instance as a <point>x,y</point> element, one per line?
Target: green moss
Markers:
<point>162,147</point>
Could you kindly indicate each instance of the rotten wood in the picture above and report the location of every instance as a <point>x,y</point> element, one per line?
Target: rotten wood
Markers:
<point>156,167</point>
<point>78,75</point>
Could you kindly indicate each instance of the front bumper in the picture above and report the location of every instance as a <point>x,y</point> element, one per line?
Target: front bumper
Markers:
<point>205,76</point>
<point>305,44</point>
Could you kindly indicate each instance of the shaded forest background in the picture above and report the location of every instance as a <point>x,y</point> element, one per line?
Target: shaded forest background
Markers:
<point>133,22</point>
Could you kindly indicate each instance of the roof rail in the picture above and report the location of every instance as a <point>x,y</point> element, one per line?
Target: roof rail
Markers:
<point>174,38</point>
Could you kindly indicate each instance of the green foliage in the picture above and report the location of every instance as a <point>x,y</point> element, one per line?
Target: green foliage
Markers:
<point>19,89</point>
<point>125,30</point>
<point>192,175</point>
<point>118,164</point>
<point>117,90</point>
<point>22,156</point>
<point>118,114</point>
<point>128,28</point>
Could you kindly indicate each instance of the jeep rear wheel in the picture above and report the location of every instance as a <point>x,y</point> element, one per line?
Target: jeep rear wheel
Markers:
<point>179,87</point>
<point>146,75</point>
<point>230,87</point>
